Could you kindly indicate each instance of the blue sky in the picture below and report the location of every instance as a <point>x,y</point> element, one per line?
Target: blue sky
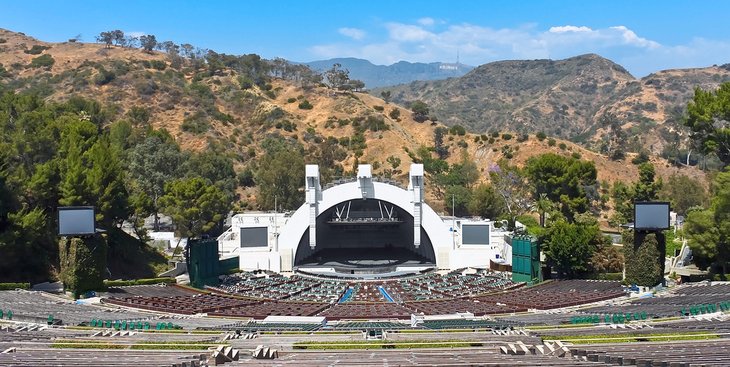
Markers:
<point>643,36</point>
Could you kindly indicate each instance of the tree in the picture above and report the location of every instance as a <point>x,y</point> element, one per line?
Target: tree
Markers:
<point>106,183</point>
<point>708,231</point>
<point>512,186</point>
<point>195,206</point>
<point>280,175</point>
<point>148,42</point>
<point>438,142</point>
<point>647,188</point>
<point>386,94</point>
<point>614,144</point>
<point>564,180</point>
<point>569,247</point>
<point>152,163</point>
<point>107,38</point>
<point>684,192</point>
<point>485,202</point>
<point>645,262</point>
<point>420,111</point>
<point>337,77</point>
<point>708,116</point>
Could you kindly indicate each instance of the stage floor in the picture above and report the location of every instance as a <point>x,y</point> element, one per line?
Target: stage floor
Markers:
<point>362,262</point>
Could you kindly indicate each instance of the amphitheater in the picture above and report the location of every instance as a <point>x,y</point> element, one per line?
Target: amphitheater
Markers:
<point>366,274</point>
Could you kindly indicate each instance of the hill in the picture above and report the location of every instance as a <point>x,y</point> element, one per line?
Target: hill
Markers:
<point>565,98</point>
<point>376,76</point>
<point>219,106</point>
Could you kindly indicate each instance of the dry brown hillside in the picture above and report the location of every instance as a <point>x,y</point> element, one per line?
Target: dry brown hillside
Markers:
<point>203,108</point>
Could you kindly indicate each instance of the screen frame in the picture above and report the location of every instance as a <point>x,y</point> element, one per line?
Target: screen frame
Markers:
<point>76,208</point>
<point>652,203</point>
<point>489,233</point>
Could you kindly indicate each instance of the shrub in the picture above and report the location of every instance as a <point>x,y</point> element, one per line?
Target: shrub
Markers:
<point>195,124</point>
<point>158,65</point>
<point>42,61</point>
<point>305,105</point>
<point>3,40</point>
<point>522,137</point>
<point>36,50</point>
<point>3,71</point>
<point>576,155</point>
<point>245,82</point>
<point>506,136</point>
<point>13,286</point>
<point>146,87</point>
<point>291,100</point>
<point>104,77</point>
<point>457,130</point>
<point>379,108</point>
<point>551,142</point>
<point>642,157</point>
<point>394,114</point>
<point>562,146</point>
<point>541,136</point>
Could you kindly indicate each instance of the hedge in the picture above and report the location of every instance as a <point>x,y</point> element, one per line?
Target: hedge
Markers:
<point>13,286</point>
<point>119,283</point>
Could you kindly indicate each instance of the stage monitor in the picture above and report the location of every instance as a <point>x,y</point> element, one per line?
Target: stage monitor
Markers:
<point>254,236</point>
<point>475,234</point>
<point>651,215</point>
<point>76,220</point>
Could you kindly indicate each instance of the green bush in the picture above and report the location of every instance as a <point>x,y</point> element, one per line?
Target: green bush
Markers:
<point>522,137</point>
<point>104,77</point>
<point>551,142</point>
<point>305,105</point>
<point>642,157</point>
<point>576,155</point>
<point>13,286</point>
<point>506,136</point>
<point>394,114</point>
<point>149,281</point>
<point>291,100</point>
<point>3,40</point>
<point>36,50</point>
<point>3,71</point>
<point>562,146</point>
<point>195,124</point>
<point>158,65</point>
<point>42,61</point>
<point>379,108</point>
<point>457,130</point>
<point>540,136</point>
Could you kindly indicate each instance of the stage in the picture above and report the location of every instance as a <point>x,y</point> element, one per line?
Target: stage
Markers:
<point>364,263</point>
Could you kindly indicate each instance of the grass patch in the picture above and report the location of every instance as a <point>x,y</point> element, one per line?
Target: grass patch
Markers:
<point>633,337</point>
<point>158,345</point>
<point>400,344</point>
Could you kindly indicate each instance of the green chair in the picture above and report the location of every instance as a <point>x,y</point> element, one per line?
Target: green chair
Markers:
<point>1,314</point>
<point>146,326</point>
<point>92,323</point>
<point>117,325</point>
<point>10,315</point>
<point>170,326</point>
<point>50,319</point>
<point>124,325</point>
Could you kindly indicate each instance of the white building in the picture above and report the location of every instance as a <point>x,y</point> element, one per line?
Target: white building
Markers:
<point>361,225</point>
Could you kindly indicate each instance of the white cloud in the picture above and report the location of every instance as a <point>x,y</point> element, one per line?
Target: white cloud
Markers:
<point>478,45</point>
<point>354,33</point>
<point>407,33</point>
<point>569,28</point>
<point>426,21</point>
<point>632,39</point>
